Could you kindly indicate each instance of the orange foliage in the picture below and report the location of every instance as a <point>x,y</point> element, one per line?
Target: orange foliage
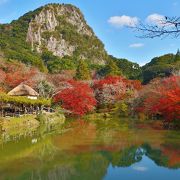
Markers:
<point>173,155</point>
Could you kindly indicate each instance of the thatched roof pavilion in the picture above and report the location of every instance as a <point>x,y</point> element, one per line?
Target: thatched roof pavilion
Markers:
<point>24,90</point>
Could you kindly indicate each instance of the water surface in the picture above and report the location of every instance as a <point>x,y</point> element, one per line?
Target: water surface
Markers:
<point>107,149</point>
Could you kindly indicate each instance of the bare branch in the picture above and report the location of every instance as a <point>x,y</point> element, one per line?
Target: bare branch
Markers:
<point>169,26</point>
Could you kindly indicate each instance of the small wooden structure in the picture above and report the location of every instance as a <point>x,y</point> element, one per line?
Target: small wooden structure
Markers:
<point>24,90</point>
<point>16,108</point>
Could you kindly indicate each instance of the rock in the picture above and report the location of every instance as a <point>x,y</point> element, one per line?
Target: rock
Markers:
<point>46,32</point>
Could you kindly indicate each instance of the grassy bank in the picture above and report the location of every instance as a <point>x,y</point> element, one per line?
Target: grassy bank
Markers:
<point>10,123</point>
<point>29,123</point>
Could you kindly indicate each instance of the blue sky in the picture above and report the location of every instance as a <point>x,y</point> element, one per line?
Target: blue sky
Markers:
<point>107,18</point>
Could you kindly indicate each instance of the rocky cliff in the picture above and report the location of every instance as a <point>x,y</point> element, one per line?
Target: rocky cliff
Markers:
<point>58,28</point>
<point>63,31</point>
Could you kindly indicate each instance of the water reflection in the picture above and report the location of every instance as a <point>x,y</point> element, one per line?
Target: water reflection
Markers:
<point>92,151</point>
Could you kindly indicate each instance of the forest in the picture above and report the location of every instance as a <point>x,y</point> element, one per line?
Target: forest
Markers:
<point>107,90</point>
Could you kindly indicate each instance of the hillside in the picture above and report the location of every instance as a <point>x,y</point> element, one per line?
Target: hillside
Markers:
<point>123,67</point>
<point>161,66</point>
<point>129,69</point>
<point>54,36</point>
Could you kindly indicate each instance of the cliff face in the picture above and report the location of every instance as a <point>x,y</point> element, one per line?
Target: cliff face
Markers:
<point>62,30</point>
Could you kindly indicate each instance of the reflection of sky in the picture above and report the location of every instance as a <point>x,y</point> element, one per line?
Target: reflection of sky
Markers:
<point>144,170</point>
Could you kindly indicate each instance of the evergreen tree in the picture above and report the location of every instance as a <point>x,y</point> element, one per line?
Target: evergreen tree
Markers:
<point>177,57</point>
<point>178,52</point>
<point>112,69</point>
<point>47,56</point>
<point>82,72</point>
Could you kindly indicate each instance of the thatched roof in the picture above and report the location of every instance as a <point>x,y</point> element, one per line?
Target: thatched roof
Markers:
<point>23,90</point>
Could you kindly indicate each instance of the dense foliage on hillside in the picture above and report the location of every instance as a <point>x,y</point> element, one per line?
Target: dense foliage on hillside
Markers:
<point>124,67</point>
<point>14,45</point>
<point>82,72</point>
<point>161,67</point>
<point>13,41</point>
<point>130,69</point>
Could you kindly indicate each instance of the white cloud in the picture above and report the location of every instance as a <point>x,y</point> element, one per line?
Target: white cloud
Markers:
<point>3,1</point>
<point>140,168</point>
<point>156,19</point>
<point>136,45</point>
<point>121,21</point>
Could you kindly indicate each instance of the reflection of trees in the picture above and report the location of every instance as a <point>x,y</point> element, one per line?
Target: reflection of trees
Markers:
<point>54,164</point>
<point>91,166</point>
<point>86,166</point>
<point>85,152</point>
<point>107,129</point>
<point>156,155</point>
<point>173,156</point>
<point>171,148</point>
<point>127,157</point>
<point>59,172</point>
<point>167,156</point>
<point>109,124</point>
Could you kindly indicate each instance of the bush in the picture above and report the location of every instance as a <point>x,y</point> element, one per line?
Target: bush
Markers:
<point>23,100</point>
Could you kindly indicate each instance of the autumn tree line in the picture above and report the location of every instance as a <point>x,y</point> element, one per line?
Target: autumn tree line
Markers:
<point>84,91</point>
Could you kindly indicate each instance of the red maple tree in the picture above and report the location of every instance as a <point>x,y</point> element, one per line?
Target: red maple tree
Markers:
<point>77,98</point>
<point>162,97</point>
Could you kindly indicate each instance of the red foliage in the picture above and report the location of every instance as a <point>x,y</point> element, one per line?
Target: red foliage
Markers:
<point>173,155</point>
<point>162,97</point>
<point>18,73</point>
<point>114,88</point>
<point>78,98</point>
<point>136,84</point>
<point>169,105</point>
<point>132,84</point>
<point>15,73</point>
<point>107,80</point>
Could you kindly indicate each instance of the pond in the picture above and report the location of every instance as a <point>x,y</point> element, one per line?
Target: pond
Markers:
<point>106,149</point>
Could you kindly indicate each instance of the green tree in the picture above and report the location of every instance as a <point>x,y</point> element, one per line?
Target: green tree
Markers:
<point>112,69</point>
<point>47,56</point>
<point>130,70</point>
<point>177,56</point>
<point>82,72</point>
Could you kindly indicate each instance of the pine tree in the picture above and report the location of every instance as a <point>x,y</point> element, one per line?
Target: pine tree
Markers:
<point>82,72</point>
<point>113,69</point>
<point>178,52</point>
<point>177,56</point>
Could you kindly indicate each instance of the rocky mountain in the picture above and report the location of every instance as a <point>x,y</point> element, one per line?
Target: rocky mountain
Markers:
<point>58,29</point>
